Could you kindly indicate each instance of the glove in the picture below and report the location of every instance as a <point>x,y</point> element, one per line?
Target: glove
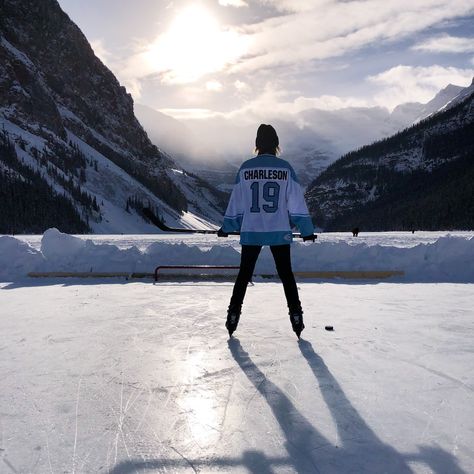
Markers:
<point>309,237</point>
<point>221,233</point>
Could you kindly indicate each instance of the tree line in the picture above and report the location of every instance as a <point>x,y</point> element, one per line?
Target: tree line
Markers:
<point>29,204</point>
<point>438,194</point>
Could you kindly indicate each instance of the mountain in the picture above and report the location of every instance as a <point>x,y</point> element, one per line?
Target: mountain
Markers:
<point>196,146</point>
<point>465,92</point>
<point>311,140</point>
<point>414,112</point>
<point>67,121</point>
<point>173,136</point>
<point>420,178</point>
<point>187,147</point>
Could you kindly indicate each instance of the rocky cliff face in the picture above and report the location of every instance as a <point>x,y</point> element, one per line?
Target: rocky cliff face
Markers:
<point>422,177</point>
<point>57,98</point>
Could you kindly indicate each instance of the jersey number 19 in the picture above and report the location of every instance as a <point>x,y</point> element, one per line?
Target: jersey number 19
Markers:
<point>271,194</point>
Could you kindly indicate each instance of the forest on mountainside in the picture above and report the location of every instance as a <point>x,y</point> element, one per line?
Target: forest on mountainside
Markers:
<point>420,178</point>
<point>30,205</point>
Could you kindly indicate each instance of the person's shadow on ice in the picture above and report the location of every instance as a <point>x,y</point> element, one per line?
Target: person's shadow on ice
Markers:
<point>360,450</point>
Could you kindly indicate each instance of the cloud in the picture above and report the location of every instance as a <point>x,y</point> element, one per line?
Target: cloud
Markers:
<point>276,103</point>
<point>297,6</point>
<point>193,46</point>
<point>233,3</point>
<point>392,87</point>
<point>402,84</point>
<point>214,86</point>
<point>190,114</point>
<point>446,44</point>
<point>133,86</point>
<point>125,74</point>
<point>326,29</point>
<point>100,50</point>
<point>328,102</point>
<point>240,85</point>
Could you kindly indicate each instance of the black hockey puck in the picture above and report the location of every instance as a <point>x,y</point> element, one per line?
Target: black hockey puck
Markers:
<point>329,328</point>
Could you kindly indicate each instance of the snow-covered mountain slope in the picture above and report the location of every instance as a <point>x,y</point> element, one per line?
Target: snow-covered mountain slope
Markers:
<point>188,148</point>
<point>413,112</point>
<point>463,93</point>
<point>68,118</point>
<point>422,177</point>
<point>173,136</point>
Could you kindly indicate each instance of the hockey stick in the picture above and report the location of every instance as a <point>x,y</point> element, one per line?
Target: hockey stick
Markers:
<point>149,214</point>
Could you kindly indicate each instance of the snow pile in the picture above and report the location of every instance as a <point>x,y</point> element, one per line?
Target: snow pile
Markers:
<point>66,253</point>
<point>447,259</point>
<point>17,258</point>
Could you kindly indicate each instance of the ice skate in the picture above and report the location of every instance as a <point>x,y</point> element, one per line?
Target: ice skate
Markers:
<point>296,318</point>
<point>233,316</point>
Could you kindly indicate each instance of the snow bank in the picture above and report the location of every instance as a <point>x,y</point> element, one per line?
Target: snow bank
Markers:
<point>65,253</point>
<point>447,259</point>
<point>17,258</point>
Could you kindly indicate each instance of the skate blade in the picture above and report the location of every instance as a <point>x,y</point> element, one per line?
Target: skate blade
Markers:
<point>298,331</point>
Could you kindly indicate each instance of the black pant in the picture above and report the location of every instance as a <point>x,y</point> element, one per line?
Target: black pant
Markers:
<point>248,259</point>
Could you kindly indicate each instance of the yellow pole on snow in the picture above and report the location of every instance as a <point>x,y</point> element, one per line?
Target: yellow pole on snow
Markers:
<point>352,275</point>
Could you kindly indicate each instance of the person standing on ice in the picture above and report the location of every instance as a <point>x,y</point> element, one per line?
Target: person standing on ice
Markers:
<point>265,204</point>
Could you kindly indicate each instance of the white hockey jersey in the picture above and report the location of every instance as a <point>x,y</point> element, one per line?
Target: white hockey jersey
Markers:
<point>266,202</point>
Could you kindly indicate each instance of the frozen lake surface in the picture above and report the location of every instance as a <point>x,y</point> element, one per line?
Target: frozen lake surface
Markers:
<point>134,377</point>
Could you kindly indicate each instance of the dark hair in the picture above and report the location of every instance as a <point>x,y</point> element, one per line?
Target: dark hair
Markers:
<point>267,140</point>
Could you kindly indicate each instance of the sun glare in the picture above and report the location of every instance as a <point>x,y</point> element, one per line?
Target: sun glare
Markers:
<point>194,45</point>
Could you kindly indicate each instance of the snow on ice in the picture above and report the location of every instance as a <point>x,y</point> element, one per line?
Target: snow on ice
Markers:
<point>120,377</point>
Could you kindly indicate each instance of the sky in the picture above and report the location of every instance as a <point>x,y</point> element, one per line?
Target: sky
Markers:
<point>236,58</point>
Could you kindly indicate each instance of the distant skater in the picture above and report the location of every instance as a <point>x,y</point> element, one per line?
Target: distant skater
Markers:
<point>265,204</point>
